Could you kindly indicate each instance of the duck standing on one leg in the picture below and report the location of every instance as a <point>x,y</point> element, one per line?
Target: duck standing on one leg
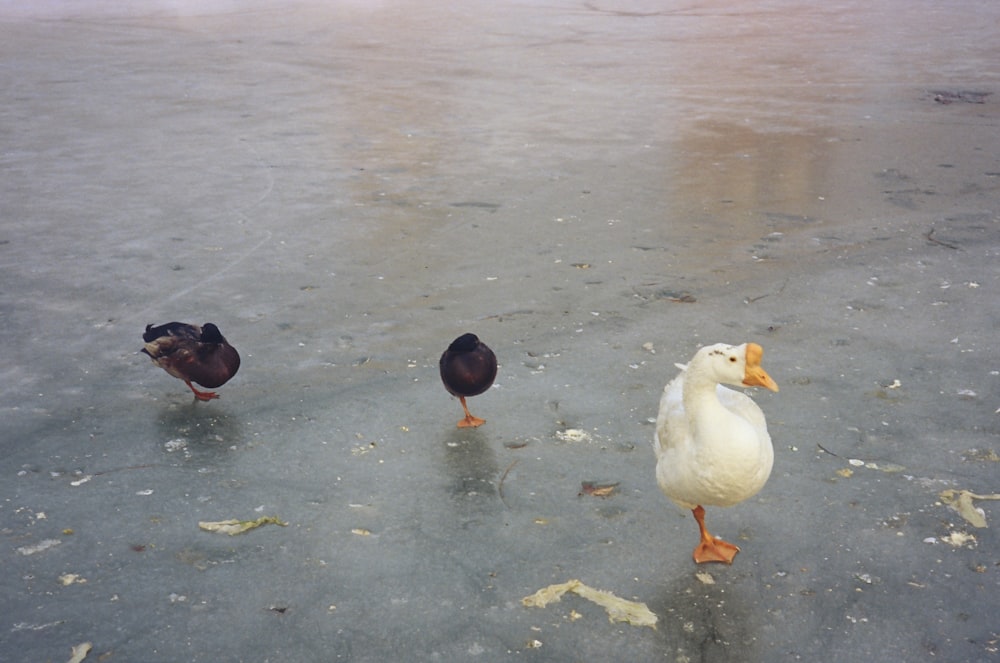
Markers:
<point>468,368</point>
<point>712,445</point>
<point>193,354</point>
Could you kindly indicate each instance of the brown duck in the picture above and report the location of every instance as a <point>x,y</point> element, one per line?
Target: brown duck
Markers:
<point>193,354</point>
<point>468,368</point>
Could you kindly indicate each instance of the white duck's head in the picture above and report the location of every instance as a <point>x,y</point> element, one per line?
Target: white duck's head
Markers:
<point>738,365</point>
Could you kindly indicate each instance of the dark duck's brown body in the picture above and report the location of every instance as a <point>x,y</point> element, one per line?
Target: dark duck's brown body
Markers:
<point>468,368</point>
<point>192,354</point>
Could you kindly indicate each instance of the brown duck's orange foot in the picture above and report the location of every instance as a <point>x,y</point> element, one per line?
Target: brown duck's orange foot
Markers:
<point>471,422</point>
<point>715,550</point>
<point>202,395</point>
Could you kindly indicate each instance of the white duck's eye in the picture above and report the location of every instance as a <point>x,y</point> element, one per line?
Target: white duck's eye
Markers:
<point>732,360</point>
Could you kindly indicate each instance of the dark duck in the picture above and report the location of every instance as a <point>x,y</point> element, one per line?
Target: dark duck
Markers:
<point>468,368</point>
<point>193,354</point>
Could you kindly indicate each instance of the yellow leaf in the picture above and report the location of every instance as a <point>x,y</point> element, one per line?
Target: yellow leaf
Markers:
<point>961,501</point>
<point>80,652</point>
<point>232,527</point>
<point>618,609</point>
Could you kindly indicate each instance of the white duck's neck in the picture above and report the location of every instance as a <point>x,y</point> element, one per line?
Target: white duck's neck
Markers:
<point>701,403</point>
<point>699,391</point>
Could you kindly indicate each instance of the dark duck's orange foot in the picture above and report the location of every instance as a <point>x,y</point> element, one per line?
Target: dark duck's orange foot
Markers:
<point>469,421</point>
<point>468,368</point>
<point>192,354</point>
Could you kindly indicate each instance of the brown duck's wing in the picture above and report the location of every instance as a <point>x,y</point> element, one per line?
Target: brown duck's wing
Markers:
<point>179,330</point>
<point>167,347</point>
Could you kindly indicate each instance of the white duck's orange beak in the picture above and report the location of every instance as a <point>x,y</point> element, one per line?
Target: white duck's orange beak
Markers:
<point>754,375</point>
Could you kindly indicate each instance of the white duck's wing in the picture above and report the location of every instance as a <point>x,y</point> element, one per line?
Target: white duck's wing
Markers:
<point>671,422</point>
<point>758,458</point>
<point>676,466</point>
<point>743,406</point>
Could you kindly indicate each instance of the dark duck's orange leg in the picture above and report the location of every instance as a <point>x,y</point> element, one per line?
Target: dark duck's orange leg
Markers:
<point>468,368</point>
<point>469,421</point>
<point>711,549</point>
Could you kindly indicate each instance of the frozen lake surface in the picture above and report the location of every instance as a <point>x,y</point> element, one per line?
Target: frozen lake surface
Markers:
<point>595,189</point>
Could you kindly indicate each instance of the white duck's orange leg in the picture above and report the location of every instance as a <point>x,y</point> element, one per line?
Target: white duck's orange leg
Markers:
<point>469,421</point>
<point>711,549</point>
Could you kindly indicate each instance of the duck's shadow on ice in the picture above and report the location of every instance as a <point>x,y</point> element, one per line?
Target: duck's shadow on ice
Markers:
<point>706,622</point>
<point>199,429</point>
<point>471,466</point>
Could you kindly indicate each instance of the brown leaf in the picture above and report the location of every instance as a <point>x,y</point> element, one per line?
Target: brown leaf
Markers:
<point>597,489</point>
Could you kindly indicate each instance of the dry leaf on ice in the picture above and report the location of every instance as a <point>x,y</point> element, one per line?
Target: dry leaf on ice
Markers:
<point>959,539</point>
<point>80,652</point>
<point>705,578</point>
<point>67,579</point>
<point>232,527</point>
<point>618,609</point>
<point>961,501</point>
<point>597,489</point>
<point>574,435</point>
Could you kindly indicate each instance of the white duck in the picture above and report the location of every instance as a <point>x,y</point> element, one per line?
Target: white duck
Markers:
<point>712,445</point>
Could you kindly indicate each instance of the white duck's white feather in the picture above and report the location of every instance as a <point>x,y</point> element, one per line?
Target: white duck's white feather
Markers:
<point>711,442</point>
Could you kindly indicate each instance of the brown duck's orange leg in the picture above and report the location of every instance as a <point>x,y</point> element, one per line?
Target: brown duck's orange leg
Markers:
<point>469,421</point>
<point>201,395</point>
<point>711,549</point>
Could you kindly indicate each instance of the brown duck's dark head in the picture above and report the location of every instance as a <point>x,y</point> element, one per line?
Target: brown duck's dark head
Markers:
<point>211,334</point>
